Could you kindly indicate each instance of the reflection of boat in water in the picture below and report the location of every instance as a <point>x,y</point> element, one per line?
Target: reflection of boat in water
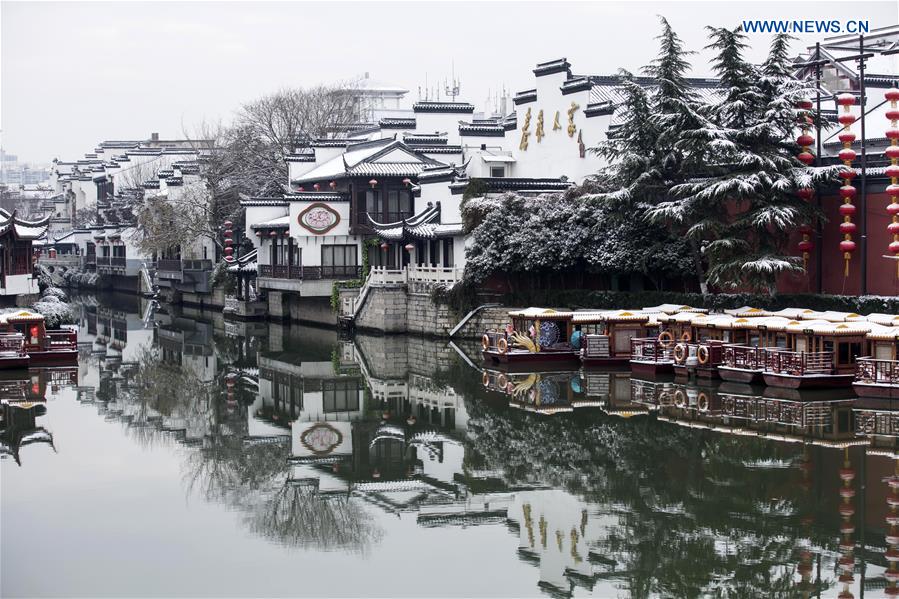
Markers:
<point>541,392</point>
<point>19,428</point>
<point>535,335</point>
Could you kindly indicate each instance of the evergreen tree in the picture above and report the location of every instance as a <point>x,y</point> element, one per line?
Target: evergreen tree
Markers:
<point>741,202</point>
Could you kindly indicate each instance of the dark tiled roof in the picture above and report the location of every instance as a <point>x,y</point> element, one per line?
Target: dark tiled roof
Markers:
<point>599,108</point>
<point>576,84</point>
<point>524,97</point>
<point>503,184</point>
<point>560,65</point>
<point>416,139</point>
<point>329,143</point>
<point>397,123</point>
<point>317,196</point>
<point>461,107</point>
<point>482,130</point>
<point>439,149</point>
<point>264,202</point>
<point>300,158</point>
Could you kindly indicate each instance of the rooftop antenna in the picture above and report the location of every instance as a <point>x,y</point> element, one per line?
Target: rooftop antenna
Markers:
<point>453,90</point>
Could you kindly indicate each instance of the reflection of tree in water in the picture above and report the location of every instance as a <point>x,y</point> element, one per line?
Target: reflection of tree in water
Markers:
<point>222,465</point>
<point>697,513</point>
<point>297,515</point>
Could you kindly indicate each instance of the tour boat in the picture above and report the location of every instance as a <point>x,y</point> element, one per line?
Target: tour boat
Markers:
<point>43,346</point>
<point>819,354</point>
<point>535,335</point>
<point>654,355</point>
<point>701,348</point>
<point>12,351</point>
<point>744,360</point>
<point>605,337</point>
<point>878,374</point>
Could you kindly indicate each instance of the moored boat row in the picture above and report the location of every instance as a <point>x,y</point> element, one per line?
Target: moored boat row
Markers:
<point>791,348</point>
<point>25,341</point>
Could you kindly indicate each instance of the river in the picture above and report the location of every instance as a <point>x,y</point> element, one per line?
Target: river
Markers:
<point>191,456</point>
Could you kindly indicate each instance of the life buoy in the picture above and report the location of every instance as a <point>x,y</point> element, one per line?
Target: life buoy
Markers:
<point>502,345</point>
<point>702,354</point>
<point>680,398</point>
<point>703,401</point>
<point>502,381</point>
<point>666,339</point>
<point>680,353</point>
<point>685,336</point>
<point>486,379</point>
<point>485,342</point>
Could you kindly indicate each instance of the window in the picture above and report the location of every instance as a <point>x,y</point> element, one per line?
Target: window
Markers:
<point>399,205</point>
<point>448,252</point>
<point>118,251</point>
<point>498,171</point>
<point>848,352</point>
<point>340,395</point>
<point>373,204</point>
<point>339,260</point>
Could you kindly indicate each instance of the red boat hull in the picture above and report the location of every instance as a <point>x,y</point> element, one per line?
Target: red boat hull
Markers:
<point>492,357</point>
<point>808,381</point>
<point>62,356</point>
<point>606,362</point>
<point>878,391</point>
<point>739,375</point>
<point>651,368</point>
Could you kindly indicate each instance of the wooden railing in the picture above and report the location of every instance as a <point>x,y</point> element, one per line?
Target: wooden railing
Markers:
<point>12,344</point>
<point>278,271</point>
<point>118,261</point>
<point>649,349</point>
<point>168,265</point>
<point>103,260</point>
<point>60,340</point>
<point>869,370</point>
<point>744,356</point>
<point>715,349</point>
<point>799,363</point>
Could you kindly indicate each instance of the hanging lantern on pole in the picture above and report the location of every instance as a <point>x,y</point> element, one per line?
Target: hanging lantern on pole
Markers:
<point>805,141</point>
<point>333,184</point>
<point>892,171</point>
<point>847,191</point>
<point>316,186</point>
<point>373,183</point>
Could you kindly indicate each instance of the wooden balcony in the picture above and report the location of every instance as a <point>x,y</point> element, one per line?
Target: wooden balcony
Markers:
<point>799,363</point>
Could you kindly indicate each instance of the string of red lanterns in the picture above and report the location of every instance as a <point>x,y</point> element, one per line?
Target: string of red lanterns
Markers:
<point>847,528</point>
<point>847,191</point>
<point>892,537</point>
<point>892,171</point>
<point>805,141</point>
<point>228,234</point>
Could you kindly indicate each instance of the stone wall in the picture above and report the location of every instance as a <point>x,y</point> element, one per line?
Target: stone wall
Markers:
<point>384,311</point>
<point>395,310</point>
<point>310,309</point>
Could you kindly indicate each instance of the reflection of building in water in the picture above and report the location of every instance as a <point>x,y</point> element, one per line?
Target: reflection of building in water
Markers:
<point>22,401</point>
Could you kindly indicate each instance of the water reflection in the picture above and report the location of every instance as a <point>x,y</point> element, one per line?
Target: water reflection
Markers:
<point>23,396</point>
<point>610,484</point>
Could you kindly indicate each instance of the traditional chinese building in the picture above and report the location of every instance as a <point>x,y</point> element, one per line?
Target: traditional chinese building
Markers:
<point>18,285</point>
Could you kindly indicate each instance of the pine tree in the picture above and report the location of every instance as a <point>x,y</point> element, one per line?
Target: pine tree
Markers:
<point>741,202</point>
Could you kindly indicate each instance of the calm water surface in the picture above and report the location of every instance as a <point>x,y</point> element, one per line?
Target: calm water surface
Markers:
<point>187,456</point>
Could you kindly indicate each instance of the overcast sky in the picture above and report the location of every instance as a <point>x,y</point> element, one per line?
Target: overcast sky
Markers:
<point>76,73</point>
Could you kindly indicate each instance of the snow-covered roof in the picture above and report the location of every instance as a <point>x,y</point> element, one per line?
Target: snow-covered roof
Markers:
<point>282,222</point>
<point>380,157</point>
<point>23,229</point>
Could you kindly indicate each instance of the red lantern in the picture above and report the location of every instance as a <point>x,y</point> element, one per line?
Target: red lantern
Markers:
<point>316,187</point>
<point>34,330</point>
<point>805,140</point>
<point>228,224</point>
<point>847,227</point>
<point>229,250</point>
<point>373,182</point>
<point>409,247</point>
<point>847,191</point>
<point>846,137</point>
<point>272,233</point>
<point>229,241</point>
<point>847,174</point>
<point>847,154</point>
<point>228,233</point>
<point>333,184</point>
<point>806,246</point>
<point>384,246</point>
<point>300,188</point>
<point>806,158</point>
<point>258,233</point>
<point>407,182</point>
<point>846,100</point>
<point>804,104</point>
<point>846,119</point>
<point>892,171</point>
<point>286,233</point>
<point>806,193</point>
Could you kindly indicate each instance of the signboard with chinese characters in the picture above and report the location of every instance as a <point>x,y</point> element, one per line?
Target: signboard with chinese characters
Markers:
<point>318,219</point>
